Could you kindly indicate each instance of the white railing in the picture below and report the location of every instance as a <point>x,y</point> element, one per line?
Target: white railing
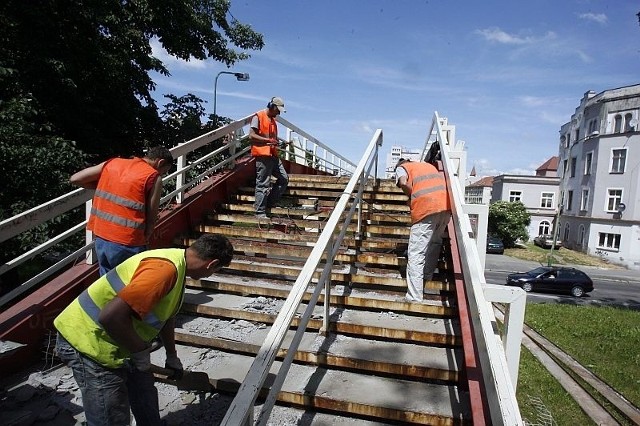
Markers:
<point>314,154</point>
<point>499,356</point>
<point>241,410</point>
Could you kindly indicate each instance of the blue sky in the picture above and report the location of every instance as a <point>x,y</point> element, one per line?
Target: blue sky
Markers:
<point>508,74</point>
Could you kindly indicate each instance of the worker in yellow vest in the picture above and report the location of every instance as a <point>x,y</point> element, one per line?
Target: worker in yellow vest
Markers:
<point>125,204</point>
<point>264,147</point>
<point>430,213</point>
<point>104,335</point>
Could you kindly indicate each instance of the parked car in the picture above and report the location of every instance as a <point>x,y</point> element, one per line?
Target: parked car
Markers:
<point>553,279</point>
<point>494,245</point>
<point>546,240</point>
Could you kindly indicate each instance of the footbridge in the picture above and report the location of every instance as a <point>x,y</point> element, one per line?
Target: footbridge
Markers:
<point>309,320</point>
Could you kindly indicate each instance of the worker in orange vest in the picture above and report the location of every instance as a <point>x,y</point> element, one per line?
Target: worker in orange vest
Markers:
<point>125,204</point>
<point>430,213</point>
<point>264,147</point>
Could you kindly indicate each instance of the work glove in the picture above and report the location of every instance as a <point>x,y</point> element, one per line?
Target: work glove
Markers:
<point>174,363</point>
<point>141,360</point>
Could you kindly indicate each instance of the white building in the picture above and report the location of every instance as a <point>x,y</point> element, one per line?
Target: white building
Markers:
<point>600,183</point>
<point>538,193</point>
<point>398,152</point>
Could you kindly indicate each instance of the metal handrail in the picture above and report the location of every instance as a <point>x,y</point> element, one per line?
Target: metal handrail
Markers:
<point>38,215</point>
<point>499,387</point>
<point>241,410</point>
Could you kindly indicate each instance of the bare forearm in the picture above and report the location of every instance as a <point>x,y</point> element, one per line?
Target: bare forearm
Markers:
<point>167,334</point>
<point>116,320</point>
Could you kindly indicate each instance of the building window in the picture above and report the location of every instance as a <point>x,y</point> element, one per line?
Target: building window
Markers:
<point>617,123</point>
<point>584,200</point>
<point>593,126</point>
<point>588,159</point>
<point>515,196</point>
<point>618,160</point>
<point>569,200</point>
<point>627,123</point>
<point>608,241</point>
<point>566,233</point>
<point>614,198</point>
<point>546,200</point>
<point>577,135</point>
<point>581,236</point>
<point>574,161</point>
<point>544,228</point>
<point>565,165</point>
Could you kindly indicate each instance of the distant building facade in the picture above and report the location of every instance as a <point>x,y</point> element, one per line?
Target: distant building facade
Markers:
<point>600,176</point>
<point>538,193</point>
<point>398,152</point>
<point>479,192</point>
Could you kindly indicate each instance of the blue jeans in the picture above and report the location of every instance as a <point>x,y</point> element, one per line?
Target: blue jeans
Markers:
<point>111,254</point>
<point>108,393</point>
<point>265,195</point>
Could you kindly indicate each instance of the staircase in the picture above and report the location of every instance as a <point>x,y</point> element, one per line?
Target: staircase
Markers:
<point>381,360</point>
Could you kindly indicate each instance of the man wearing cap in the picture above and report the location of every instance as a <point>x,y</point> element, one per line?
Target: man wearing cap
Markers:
<point>264,147</point>
<point>430,213</point>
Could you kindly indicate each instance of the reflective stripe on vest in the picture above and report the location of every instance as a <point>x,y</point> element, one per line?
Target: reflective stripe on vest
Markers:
<point>428,190</point>
<point>268,129</point>
<point>91,309</point>
<point>79,322</point>
<point>118,212</point>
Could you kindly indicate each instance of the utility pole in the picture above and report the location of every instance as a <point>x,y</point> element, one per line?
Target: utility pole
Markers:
<point>555,235</point>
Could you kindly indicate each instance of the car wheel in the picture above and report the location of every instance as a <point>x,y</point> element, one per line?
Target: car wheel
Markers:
<point>577,291</point>
<point>527,287</point>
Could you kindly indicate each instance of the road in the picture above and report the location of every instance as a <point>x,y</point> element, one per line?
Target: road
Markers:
<point>611,286</point>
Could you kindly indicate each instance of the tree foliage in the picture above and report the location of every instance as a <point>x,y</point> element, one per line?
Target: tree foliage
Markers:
<point>509,221</point>
<point>76,85</point>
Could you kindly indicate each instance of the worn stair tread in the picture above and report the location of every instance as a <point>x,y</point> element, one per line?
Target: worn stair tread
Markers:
<point>258,286</point>
<point>371,216</point>
<point>340,295</point>
<point>335,350</point>
<point>426,329</point>
<point>342,390</point>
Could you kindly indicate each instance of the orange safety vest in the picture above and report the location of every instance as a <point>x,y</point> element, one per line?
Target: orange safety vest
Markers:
<point>118,213</point>
<point>428,190</point>
<point>268,129</point>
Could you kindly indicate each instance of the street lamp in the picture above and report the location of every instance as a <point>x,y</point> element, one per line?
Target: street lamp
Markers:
<point>240,76</point>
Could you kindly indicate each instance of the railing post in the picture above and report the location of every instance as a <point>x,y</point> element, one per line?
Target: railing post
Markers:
<point>88,235</point>
<point>180,178</point>
<point>359,201</point>
<point>233,142</point>
<point>327,289</point>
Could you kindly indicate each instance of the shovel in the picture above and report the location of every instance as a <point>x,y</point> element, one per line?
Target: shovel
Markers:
<point>190,380</point>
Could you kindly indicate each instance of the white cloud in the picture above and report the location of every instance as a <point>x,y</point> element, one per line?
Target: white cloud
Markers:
<point>495,34</point>
<point>600,18</point>
<point>171,61</point>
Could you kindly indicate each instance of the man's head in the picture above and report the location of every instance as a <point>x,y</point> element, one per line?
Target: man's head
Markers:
<point>276,106</point>
<point>160,159</point>
<point>401,162</point>
<point>208,254</point>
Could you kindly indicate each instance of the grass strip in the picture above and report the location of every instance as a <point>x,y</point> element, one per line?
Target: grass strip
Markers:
<point>603,339</point>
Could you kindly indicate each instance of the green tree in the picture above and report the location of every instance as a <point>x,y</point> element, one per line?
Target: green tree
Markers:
<point>76,85</point>
<point>509,221</point>
<point>88,63</point>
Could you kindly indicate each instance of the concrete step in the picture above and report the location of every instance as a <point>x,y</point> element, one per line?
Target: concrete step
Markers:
<point>382,359</point>
<point>368,205</point>
<point>320,192</point>
<point>340,392</point>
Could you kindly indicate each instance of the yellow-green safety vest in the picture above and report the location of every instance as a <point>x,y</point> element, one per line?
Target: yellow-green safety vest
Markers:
<point>78,323</point>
